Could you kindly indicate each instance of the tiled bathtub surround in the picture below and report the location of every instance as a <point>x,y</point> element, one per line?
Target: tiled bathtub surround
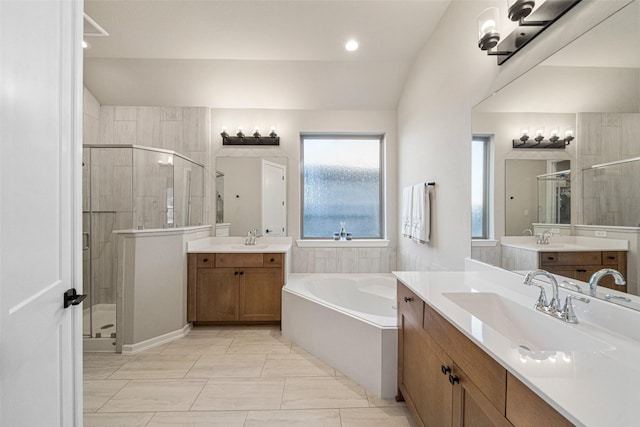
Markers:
<point>344,260</point>
<point>231,377</point>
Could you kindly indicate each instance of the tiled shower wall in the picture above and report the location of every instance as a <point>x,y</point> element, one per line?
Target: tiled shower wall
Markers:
<point>611,195</point>
<point>185,130</point>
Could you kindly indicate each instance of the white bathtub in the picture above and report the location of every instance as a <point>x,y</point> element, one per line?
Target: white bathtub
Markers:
<point>348,321</point>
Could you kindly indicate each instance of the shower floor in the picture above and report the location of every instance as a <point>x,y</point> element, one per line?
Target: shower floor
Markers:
<point>104,321</point>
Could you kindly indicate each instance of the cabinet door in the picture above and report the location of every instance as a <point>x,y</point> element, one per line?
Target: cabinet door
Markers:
<point>423,381</point>
<point>217,294</point>
<point>471,408</point>
<point>260,294</point>
<point>525,408</point>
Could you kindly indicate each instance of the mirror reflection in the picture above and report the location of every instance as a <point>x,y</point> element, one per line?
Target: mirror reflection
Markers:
<point>590,89</point>
<point>251,195</point>
<point>537,192</point>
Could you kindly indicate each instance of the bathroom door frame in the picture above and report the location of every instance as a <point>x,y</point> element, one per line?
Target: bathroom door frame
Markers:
<point>40,212</point>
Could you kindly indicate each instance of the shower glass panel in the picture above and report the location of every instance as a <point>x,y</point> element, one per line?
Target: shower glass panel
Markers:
<point>128,187</point>
<point>554,198</point>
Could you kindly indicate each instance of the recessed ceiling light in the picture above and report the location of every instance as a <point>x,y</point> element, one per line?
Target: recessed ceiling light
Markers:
<point>351,45</point>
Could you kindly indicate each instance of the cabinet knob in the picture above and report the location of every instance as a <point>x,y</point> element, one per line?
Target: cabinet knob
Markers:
<point>205,260</point>
<point>453,379</point>
<point>273,259</point>
<point>241,273</point>
<point>581,270</point>
<point>611,257</point>
<point>408,299</point>
<point>235,273</point>
<point>445,370</point>
<point>550,258</point>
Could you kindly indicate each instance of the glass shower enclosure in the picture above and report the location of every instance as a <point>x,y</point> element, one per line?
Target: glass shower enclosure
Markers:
<point>128,187</point>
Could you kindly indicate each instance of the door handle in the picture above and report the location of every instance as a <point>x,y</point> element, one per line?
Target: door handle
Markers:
<point>71,297</point>
<point>85,247</point>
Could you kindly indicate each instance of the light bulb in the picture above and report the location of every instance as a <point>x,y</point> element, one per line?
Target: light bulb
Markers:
<point>351,45</point>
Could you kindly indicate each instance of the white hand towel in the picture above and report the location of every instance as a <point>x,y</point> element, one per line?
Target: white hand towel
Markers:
<point>420,214</point>
<point>407,194</point>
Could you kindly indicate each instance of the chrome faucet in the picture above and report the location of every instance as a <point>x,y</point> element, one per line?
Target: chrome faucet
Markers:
<point>543,239</point>
<point>595,279</point>
<point>552,306</point>
<point>251,237</point>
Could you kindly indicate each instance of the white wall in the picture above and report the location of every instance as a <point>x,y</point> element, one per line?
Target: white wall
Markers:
<point>449,77</point>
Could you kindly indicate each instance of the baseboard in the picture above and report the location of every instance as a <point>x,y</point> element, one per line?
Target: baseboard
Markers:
<point>156,341</point>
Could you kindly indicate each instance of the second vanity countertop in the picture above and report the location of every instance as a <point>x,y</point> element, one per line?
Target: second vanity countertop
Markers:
<point>565,244</point>
<point>236,245</point>
<point>591,387</point>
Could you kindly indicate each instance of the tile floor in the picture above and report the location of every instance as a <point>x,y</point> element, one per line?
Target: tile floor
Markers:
<point>228,377</point>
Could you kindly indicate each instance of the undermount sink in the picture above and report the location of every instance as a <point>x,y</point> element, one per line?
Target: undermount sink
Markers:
<point>526,328</point>
<point>249,247</point>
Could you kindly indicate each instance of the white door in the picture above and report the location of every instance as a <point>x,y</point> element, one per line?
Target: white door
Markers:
<point>274,190</point>
<point>40,217</point>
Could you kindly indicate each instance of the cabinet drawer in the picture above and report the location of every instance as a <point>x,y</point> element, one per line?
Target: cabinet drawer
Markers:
<point>272,260</point>
<point>410,305</point>
<point>487,375</point>
<point>205,260</point>
<point>239,260</point>
<point>570,258</point>
<point>613,258</point>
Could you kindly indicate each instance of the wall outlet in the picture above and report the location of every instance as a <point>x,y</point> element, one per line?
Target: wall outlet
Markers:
<point>601,234</point>
<point>555,230</point>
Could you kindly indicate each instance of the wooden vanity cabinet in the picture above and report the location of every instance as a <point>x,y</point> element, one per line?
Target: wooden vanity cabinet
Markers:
<point>420,379</point>
<point>233,287</point>
<point>447,380</point>
<point>582,265</point>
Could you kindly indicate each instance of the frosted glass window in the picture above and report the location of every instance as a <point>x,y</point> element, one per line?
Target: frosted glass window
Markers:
<point>342,179</point>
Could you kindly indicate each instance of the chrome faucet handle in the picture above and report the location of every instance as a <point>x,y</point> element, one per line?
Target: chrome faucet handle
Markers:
<point>609,297</point>
<point>542,304</point>
<point>568,314</point>
<point>577,288</point>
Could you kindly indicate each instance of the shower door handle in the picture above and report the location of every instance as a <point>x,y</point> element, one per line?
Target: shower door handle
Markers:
<point>85,247</point>
<point>71,297</point>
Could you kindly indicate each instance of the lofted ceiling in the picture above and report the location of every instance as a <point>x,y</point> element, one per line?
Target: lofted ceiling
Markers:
<point>283,54</point>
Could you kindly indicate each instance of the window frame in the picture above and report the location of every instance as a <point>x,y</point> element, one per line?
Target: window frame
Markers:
<point>381,184</point>
<point>486,185</point>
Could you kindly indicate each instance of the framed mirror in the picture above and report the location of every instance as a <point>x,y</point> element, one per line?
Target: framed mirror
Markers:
<point>251,194</point>
<point>591,87</point>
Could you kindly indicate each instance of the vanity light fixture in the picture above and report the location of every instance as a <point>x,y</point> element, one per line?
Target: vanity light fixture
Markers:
<point>489,37</point>
<point>538,141</point>
<point>255,139</point>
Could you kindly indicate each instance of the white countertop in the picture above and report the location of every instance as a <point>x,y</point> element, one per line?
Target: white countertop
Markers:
<point>236,245</point>
<point>566,244</point>
<point>590,388</point>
